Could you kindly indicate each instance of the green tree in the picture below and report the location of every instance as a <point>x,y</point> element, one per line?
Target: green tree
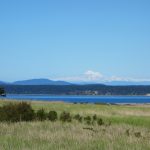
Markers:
<point>2,91</point>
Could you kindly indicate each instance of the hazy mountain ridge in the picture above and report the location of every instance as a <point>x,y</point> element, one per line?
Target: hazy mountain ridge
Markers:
<point>37,82</point>
<point>42,81</point>
<point>2,82</point>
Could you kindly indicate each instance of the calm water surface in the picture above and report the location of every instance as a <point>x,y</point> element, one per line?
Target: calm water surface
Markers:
<point>83,99</point>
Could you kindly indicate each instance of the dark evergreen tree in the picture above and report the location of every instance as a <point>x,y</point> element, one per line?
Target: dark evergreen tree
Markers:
<point>2,91</point>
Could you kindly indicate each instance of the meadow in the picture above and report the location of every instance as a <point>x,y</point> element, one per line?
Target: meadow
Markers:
<point>126,127</point>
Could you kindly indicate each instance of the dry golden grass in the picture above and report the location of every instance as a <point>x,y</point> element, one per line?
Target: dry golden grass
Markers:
<point>129,129</point>
<point>72,136</point>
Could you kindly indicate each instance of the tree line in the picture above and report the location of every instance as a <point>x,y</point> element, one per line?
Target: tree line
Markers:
<point>77,89</point>
<point>2,91</point>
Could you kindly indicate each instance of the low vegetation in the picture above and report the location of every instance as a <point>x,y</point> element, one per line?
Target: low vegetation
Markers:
<point>23,111</point>
<point>52,116</point>
<point>62,126</point>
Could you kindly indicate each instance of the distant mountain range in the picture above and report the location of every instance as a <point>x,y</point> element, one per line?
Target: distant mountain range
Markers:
<point>37,82</point>
<point>42,81</point>
<point>1,82</point>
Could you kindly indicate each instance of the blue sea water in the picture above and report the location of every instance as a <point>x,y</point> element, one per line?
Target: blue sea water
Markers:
<point>83,99</point>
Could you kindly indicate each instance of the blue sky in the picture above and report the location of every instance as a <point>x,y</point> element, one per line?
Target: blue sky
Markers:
<point>75,40</point>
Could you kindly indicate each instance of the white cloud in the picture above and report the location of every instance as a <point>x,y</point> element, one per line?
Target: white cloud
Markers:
<point>88,76</point>
<point>94,76</point>
<point>115,78</point>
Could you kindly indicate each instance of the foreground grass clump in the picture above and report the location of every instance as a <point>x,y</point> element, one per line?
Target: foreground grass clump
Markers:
<point>71,136</point>
<point>92,127</point>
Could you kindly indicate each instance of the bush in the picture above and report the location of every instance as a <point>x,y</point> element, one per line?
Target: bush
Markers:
<point>65,117</point>
<point>41,115</point>
<point>138,134</point>
<point>14,112</point>
<point>100,122</point>
<point>25,111</point>
<point>88,119</point>
<point>9,113</point>
<point>52,116</point>
<point>94,117</point>
<point>78,117</point>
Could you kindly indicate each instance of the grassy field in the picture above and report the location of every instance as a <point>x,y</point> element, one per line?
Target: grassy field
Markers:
<point>129,129</point>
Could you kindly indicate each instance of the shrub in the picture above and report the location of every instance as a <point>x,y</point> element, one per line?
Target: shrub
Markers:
<point>52,116</point>
<point>127,132</point>
<point>100,122</point>
<point>65,117</point>
<point>41,115</point>
<point>14,112</point>
<point>88,119</point>
<point>9,113</point>
<point>78,117</point>
<point>138,134</point>
<point>25,111</point>
<point>94,117</point>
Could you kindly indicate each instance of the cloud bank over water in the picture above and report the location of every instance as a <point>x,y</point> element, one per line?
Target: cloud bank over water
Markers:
<point>95,76</point>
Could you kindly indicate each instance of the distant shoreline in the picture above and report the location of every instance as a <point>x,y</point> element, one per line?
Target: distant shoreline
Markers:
<point>82,95</point>
<point>81,99</point>
<point>42,101</point>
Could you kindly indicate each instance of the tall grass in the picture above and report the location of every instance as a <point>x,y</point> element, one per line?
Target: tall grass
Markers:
<point>71,136</point>
<point>124,128</point>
